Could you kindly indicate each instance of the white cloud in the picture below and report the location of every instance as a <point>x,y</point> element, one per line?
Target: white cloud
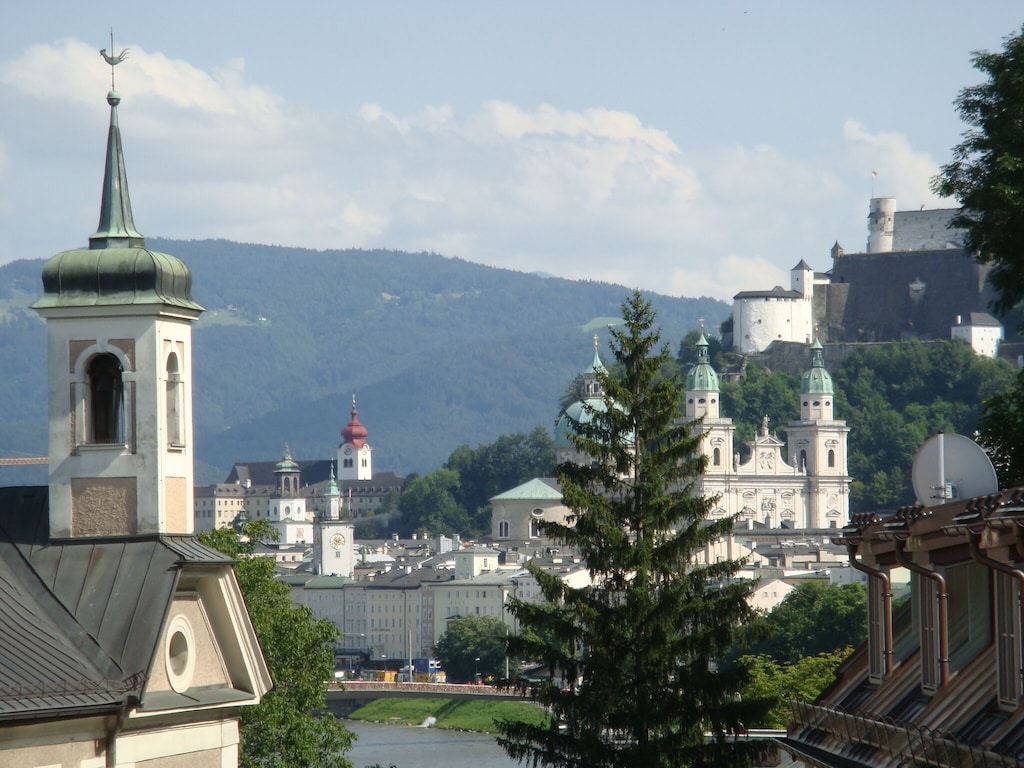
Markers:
<point>903,172</point>
<point>592,193</point>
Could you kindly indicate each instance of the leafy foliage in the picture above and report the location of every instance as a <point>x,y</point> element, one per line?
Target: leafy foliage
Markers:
<point>814,618</point>
<point>467,639</point>
<point>1002,432</point>
<point>456,499</point>
<point>428,505</point>
<point>491,469</point>
<point>636,650</point>
<point>986,173</point>
<point>906,393</point>
<point>759,393</point>
<point>802,680</point>
<point>291,726</point>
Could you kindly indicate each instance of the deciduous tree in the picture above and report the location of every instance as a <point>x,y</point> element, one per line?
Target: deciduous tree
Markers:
<point>816,617</point>
<point>637,651</point>
<point>467,639</point>
<point>803,680</point>
<point>1002,433</point>
<point>986,173</point>
<point>291,726</point>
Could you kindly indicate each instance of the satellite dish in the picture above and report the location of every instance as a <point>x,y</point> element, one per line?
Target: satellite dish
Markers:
<point>950,467</point>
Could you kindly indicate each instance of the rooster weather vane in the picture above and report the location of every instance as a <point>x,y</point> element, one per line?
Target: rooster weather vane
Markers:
<point>113,59</point>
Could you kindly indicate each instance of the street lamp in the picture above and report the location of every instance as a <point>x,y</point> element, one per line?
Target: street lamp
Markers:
<point>476,669</point>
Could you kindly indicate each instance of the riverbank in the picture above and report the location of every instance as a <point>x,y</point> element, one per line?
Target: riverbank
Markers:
<point>449,714</point>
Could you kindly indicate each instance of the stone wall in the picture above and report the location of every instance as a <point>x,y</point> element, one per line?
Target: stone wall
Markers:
<point>902,295</point>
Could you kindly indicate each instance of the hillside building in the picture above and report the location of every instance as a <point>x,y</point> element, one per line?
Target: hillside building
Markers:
<point>254,487</point>
<point>125,642</point>
<point>913,281</point>
<point>980,331</point>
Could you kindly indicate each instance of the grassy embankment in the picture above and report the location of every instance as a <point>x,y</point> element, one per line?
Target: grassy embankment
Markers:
<point>452,715</point>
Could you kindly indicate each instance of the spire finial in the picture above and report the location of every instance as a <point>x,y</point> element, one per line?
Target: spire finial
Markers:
<point>116,227</point>
<point>113,59</point>
<point>353,401</point>
<point>701,321</point>
<point>596,341</point>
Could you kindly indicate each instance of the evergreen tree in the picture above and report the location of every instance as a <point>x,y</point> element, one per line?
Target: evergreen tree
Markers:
<point>636,679</point>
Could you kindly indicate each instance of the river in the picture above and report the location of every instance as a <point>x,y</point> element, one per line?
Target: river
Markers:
<point>411,747</point>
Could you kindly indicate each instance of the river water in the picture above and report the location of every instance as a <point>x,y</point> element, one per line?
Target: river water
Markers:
<point>411,747</point>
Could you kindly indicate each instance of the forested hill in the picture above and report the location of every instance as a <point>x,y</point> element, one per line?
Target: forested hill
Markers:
<point>439,351</point>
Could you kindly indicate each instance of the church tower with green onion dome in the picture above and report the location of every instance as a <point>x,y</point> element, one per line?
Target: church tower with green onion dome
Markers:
<point>119,354</point>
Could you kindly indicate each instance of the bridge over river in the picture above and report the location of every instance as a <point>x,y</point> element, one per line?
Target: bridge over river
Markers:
<point>342,701</point>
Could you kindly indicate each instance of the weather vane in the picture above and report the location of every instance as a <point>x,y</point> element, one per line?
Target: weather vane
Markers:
<point>113,59</point>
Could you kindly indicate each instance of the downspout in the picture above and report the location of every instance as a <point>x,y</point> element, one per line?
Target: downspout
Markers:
<point>882,576</point>
<point>974,542</point>
<point>940,583</point>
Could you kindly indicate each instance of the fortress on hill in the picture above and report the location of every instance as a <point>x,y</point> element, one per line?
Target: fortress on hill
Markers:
<point>913,281</point>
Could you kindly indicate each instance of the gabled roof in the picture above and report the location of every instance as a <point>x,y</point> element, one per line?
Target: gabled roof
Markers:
<point>80,619</point>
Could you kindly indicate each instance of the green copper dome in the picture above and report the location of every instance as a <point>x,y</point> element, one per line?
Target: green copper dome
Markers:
<point>287,465</point>
<point>116,268</point>
<point>702,377</point>
<point>816,381</point>
<point>331,489</point>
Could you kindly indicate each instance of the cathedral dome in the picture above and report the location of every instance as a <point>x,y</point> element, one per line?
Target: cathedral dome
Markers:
<point>816,380</point>
<point>287,465</point>
<point>580,412</point>
<point>702,377</point>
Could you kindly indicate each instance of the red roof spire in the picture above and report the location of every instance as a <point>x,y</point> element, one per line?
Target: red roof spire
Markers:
<point>354,433</point>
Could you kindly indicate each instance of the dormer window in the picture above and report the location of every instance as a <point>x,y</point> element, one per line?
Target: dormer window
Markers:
<point>105,404</point>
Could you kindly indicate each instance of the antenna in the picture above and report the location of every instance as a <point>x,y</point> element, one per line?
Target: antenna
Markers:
<point>950,467</point>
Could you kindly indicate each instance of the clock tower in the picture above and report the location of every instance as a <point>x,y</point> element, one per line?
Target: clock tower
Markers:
<point>333,546</point>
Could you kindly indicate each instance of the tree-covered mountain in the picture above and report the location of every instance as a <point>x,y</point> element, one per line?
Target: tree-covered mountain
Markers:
<point>439,351</point>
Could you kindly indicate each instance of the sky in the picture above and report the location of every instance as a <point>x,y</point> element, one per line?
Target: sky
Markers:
<point>689,148</point>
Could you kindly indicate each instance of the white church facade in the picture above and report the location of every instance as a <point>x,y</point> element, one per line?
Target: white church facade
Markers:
<point>801,483</point>
<point>807,487</point>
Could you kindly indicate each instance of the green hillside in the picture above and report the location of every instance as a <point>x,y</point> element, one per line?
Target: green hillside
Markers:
<point>439,351</point>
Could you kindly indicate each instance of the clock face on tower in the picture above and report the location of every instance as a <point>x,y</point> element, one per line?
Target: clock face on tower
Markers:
<point>348,450</point>
<point>337,541</point>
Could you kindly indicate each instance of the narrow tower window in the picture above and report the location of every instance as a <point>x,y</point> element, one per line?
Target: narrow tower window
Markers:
<point>175,433</point>
<point>831,458</point>
<point>106,400</point>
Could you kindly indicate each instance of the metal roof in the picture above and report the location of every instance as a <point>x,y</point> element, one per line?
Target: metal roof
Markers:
<point>80,619</point>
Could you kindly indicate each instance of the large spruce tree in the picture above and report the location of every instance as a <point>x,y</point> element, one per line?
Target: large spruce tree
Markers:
<point>635,658</point>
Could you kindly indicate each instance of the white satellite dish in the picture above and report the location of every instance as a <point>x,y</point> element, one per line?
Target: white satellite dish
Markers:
<point>950,467</point>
